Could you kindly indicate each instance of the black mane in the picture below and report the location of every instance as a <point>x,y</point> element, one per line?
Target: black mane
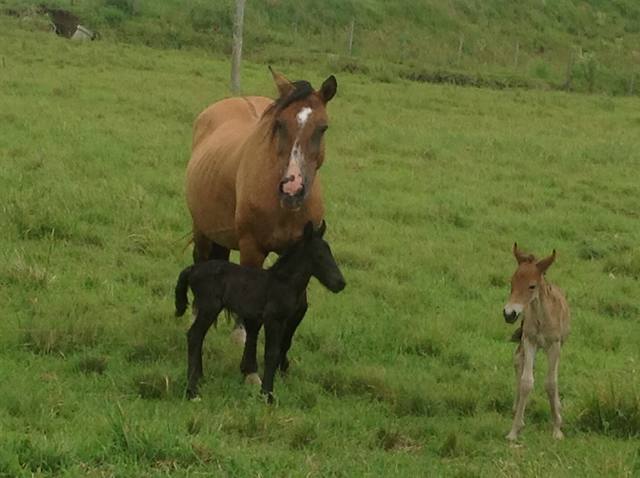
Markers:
<point>301,89</point>
<point>284,258</point>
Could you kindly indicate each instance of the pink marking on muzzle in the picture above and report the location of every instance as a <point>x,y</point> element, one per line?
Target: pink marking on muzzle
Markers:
<point>292,183</point>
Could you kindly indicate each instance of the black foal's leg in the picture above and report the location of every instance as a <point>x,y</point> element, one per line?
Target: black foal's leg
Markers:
<point>221,253</point>
<point>273,330</point>
<point>207,314</point>
<point>290,329</point>
<point>249,364</point>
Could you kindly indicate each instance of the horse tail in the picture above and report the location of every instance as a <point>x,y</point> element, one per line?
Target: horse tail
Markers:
<point>182,286</point>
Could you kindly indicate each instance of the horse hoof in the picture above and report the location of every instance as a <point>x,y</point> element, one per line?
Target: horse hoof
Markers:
<point>284,366</point>
<point>268,396</point>
<point>512,436</point>
<point>193,396</point>
<point>239,336</point>
<point>253,379</point>
<point>557,434</point>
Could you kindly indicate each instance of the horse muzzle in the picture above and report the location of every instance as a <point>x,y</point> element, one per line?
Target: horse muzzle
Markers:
<point>510,316</point>
<point>338,285</point>
<point>292,192</point>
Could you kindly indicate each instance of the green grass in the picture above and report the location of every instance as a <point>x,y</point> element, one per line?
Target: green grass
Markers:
<point>494,43</point>
<point>407,372</point>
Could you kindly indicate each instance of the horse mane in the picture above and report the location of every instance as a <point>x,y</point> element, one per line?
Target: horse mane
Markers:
<point>284,258</point>
<point>301,89</point>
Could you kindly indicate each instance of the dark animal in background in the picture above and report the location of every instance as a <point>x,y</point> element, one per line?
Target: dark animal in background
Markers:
<point>271,297</point>
<point>66,24</point>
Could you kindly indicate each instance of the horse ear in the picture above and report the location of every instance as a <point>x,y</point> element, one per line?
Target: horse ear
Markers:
<point>544,264</point>
<point>328,89</point>
<point>519,255</point>
<point>284,86</point>
<point>308,231</point>
<point>322,229</point>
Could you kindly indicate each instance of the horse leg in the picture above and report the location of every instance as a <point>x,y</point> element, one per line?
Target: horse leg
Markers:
<point>205,249</point>
<point>250,256</point>
<point>524,388</point>
<point>518,363</point>
<point>290,329</point>
<point>202,247</point>
<point>207,314</point>
<point>273,329</point>
<point>551,386</point>
<point>249,364</point>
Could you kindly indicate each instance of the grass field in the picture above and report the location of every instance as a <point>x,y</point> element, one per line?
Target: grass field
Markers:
<point>406,373</point>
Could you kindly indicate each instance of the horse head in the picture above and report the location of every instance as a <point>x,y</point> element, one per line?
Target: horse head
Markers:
<point>525,282</point>
<point>299,123</point>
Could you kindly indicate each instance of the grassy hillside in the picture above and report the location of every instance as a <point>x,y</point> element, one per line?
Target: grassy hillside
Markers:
<point>492,43</point>
<point>407,372</point>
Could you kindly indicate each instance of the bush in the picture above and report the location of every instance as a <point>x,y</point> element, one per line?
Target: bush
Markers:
<point>613,413</point>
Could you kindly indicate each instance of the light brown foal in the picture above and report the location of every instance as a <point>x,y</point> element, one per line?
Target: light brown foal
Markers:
<point>545,324</point>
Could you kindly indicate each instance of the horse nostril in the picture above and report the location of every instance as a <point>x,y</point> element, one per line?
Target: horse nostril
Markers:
<point>509,316</point>
<point>292,186</point>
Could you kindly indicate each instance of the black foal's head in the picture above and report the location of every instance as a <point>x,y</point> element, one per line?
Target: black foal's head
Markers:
<point>323,264</point>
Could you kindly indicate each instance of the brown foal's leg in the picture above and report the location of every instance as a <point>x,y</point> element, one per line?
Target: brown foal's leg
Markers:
<point>518,363</point>
<point>524,388</point>
<point>551,385</point>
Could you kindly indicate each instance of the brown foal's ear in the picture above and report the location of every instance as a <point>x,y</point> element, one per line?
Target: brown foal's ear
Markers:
<point>520,256</point>
<point>544,264</point>
<point>308,231</point>
<point>328,89</point>
<point>284,86</point>
<point>322,228</point>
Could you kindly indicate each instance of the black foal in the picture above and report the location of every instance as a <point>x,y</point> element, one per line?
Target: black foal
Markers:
<point>274,297</point>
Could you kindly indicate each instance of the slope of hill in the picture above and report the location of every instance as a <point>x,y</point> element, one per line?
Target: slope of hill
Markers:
<point>588,45</point>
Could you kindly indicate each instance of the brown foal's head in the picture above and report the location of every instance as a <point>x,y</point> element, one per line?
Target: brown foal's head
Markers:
<point>525,282</point>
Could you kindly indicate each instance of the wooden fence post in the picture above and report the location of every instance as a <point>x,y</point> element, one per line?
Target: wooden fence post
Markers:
<point>569,72</point>
<point>236,50</point>
<point>350,39</point>
<point>460,46</point>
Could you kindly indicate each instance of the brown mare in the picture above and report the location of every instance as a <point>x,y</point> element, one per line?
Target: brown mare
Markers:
<point>545,324</point>
<point>251,182</point>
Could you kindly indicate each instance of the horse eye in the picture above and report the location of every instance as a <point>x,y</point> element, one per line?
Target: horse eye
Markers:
<point>533,286</point>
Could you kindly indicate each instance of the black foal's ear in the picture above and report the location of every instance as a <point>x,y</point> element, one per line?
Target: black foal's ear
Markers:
<point>322,229</point>
<point>308,230</point>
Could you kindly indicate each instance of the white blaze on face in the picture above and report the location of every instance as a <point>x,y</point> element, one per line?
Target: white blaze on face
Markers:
<point>296,157</point>
<point>303,116</point>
